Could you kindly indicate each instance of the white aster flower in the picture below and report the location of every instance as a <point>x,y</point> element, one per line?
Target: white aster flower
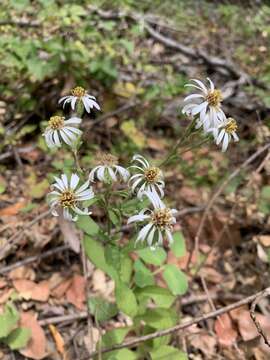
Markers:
<point>207,105</point>
<point>58,129</point>
<point>225,133</point>
<point>160,221</point>
<point>147,178</point>
<point>108,169</point>
<point>80,94</point>
<point>65,197</point>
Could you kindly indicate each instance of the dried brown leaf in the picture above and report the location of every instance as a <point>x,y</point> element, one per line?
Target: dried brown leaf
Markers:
<point>225,330</point>
<point>76,292</point>
<point>36,347</point>
<point>30,290</point>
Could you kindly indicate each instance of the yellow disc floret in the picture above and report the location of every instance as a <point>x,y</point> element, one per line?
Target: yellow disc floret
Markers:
<point>67,199</point>
<point>106,159</point>
<point>152,174</point>
<point>162,218</point>
<point>78,91</point>
<point>56,122</point>
<point>214,98</point>
<point>231,126</point>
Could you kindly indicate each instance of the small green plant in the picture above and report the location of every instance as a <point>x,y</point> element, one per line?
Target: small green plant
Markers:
<point>131,197</point>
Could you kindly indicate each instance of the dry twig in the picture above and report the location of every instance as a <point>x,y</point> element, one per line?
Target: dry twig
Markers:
<point>254,303</point>
<point>212,314</point>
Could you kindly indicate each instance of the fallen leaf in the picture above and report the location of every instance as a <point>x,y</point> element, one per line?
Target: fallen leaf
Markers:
<point>156,144</point>
<point>70,234</point>
<point>30,290</point>
<point>264,240</point>
<point>225,330</point>
<point>12,209</point>
<point>22,272</point>
<point>36,347</point>
<point>99,281</point>
<point>204,342</point>
<point>246,326</point>
<point>60,290</point>
<point>59,341</point>
<point>262,254</point>
<point>211,275</point>
<point>3,283</point>
<point>76,292</point>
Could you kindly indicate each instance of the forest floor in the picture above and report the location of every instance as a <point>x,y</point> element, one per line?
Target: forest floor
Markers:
<point>141,112</point>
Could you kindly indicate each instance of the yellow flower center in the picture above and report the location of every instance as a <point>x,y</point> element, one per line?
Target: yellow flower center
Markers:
<point>162,218</point>
<point>214,98</point>
<point>67,199</point>
<point>106,159</point>
<point>56,122</point>
<point>152,174</point>
<point>231,126</point>
<point>78,91</point>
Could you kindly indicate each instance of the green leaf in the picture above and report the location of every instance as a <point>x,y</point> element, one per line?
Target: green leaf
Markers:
<point>143,276</point>
<point>18,338</point>
<point>123,354</point>
<point>125,299</point>
<point>159,318</point>
<point>154,257</point>
<point>166,352</point>
<point>95,252</point>
<point>162,297</point>
<point>102,309</point>
<point>175,279</point>
<point>115,336</point>
<point>3,185</point>
<point>264,201</point>
<point>8,320</point>
<point>126,269</point>
<point>179,246</point>
<point>113,255</point>
<point>88,225</point>
<point>39,190</point>
<point>114,216</point>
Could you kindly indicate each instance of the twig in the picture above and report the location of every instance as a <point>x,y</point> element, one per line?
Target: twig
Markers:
<point>212,314</point>
<point>253,316</point>
<point>219,191</point>
<point>20,23</point>
<point>254,303</point>
<point>63,318</point>
<point>8,154</point>
<point>34,258</point>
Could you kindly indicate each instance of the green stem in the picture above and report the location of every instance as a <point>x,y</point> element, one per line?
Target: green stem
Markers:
<point>196,145</point>
<point>76,159</point>
<point>180,142</point>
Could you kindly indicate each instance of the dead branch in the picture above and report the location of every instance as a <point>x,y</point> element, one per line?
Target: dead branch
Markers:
<point>254,303</point>
<point>157,334</point>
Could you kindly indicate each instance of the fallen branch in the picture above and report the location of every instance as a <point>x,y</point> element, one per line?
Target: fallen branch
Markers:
<point>157,334</point>
<point>33,258</point>
<point>265,293</point>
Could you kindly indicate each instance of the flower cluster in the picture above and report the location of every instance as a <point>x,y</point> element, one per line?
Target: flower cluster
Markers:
<point>144,180</point>
<point>158,223</point>
<point>60,130</point>
<point>206,106</point>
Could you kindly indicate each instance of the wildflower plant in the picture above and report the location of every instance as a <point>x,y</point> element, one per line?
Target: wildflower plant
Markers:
<point>131,196</point>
